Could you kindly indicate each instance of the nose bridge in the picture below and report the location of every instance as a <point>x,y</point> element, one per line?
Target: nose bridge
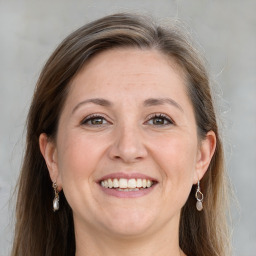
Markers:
<point>128,144</point>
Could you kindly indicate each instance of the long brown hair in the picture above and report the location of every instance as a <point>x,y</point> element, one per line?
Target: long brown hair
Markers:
<point>39,231</point>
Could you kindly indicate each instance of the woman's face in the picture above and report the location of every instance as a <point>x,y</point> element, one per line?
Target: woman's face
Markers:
<point>127,152</point>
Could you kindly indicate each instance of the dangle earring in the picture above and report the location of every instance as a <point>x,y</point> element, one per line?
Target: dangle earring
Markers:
<point>199,197</point>
<point>56,197</point>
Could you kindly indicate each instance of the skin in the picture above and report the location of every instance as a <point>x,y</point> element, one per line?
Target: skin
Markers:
<point>127,139</point>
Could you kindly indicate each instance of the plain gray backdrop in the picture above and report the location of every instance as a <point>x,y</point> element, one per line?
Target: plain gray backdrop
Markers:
<point>226,32</point>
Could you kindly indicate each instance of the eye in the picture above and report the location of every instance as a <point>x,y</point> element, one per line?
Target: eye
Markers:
<point>160,120</point>
<point>94,120</point>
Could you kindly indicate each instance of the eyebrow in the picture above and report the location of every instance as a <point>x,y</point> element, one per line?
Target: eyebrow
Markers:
<point>162,101</point>
<point>97,101</point>
<point>147,103</point>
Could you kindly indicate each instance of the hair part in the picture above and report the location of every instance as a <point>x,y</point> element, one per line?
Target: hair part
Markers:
<point>38,230</point>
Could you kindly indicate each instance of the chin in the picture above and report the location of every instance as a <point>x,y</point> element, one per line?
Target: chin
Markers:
<point>129,223</point>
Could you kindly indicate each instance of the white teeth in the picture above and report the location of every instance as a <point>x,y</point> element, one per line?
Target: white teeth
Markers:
<point>139,183</point>
<point>133,189</point>
<point>128,189</point>
<point>132,183</point>
<point>144,183</point>
<point>126,184</point>
<point>115,183</point>
<point>110,183</point>
<point>105,183</point>
<point>123,183</point>
<point>149,183</point>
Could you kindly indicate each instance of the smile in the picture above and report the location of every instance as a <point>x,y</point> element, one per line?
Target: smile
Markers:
<point>123,184</point>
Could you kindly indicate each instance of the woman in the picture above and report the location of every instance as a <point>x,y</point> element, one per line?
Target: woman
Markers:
<point>122,140</point>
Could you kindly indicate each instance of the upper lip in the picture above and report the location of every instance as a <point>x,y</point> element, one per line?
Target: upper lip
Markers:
<point>120,175</point>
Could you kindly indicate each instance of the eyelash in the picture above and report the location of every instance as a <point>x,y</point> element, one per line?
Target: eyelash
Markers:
<point>91,118</point>
<point>161,116</point>
<point>164,117</point>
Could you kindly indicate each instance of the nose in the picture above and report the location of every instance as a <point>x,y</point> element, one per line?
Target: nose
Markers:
<point>128,145</point>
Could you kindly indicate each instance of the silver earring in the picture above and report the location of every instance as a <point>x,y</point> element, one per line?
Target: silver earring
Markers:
<point>199,197</point>
<point>56,197</point>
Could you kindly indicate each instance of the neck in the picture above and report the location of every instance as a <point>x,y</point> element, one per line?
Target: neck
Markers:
<point>164,242</point>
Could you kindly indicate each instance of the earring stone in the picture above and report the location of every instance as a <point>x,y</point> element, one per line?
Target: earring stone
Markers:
<point>199,206</point>
<point>56,198</point>
<point>199,197</point>
<point>56,204</point>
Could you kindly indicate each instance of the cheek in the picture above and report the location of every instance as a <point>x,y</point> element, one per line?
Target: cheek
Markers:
<point>76,159</point>
<point>177,159</point>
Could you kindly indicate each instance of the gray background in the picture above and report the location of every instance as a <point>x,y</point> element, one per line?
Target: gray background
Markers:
<point>226,31</point>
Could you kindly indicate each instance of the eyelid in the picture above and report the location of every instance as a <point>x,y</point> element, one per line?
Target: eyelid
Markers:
<point>94,115</point>
<point>161,115</point>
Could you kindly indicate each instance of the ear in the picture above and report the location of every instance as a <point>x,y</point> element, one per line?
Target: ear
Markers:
<point>205,152</point>
<point>49,152</point>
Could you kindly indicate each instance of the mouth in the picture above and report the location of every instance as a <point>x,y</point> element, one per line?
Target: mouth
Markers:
<point>127,185</point>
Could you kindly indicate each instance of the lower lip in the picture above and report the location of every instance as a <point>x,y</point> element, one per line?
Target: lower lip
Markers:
<point>127,194</point>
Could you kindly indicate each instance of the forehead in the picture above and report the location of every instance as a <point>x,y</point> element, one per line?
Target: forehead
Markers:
<point>130,69</point>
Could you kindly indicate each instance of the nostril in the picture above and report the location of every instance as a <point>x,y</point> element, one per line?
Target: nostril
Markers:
<point>128,145</point>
